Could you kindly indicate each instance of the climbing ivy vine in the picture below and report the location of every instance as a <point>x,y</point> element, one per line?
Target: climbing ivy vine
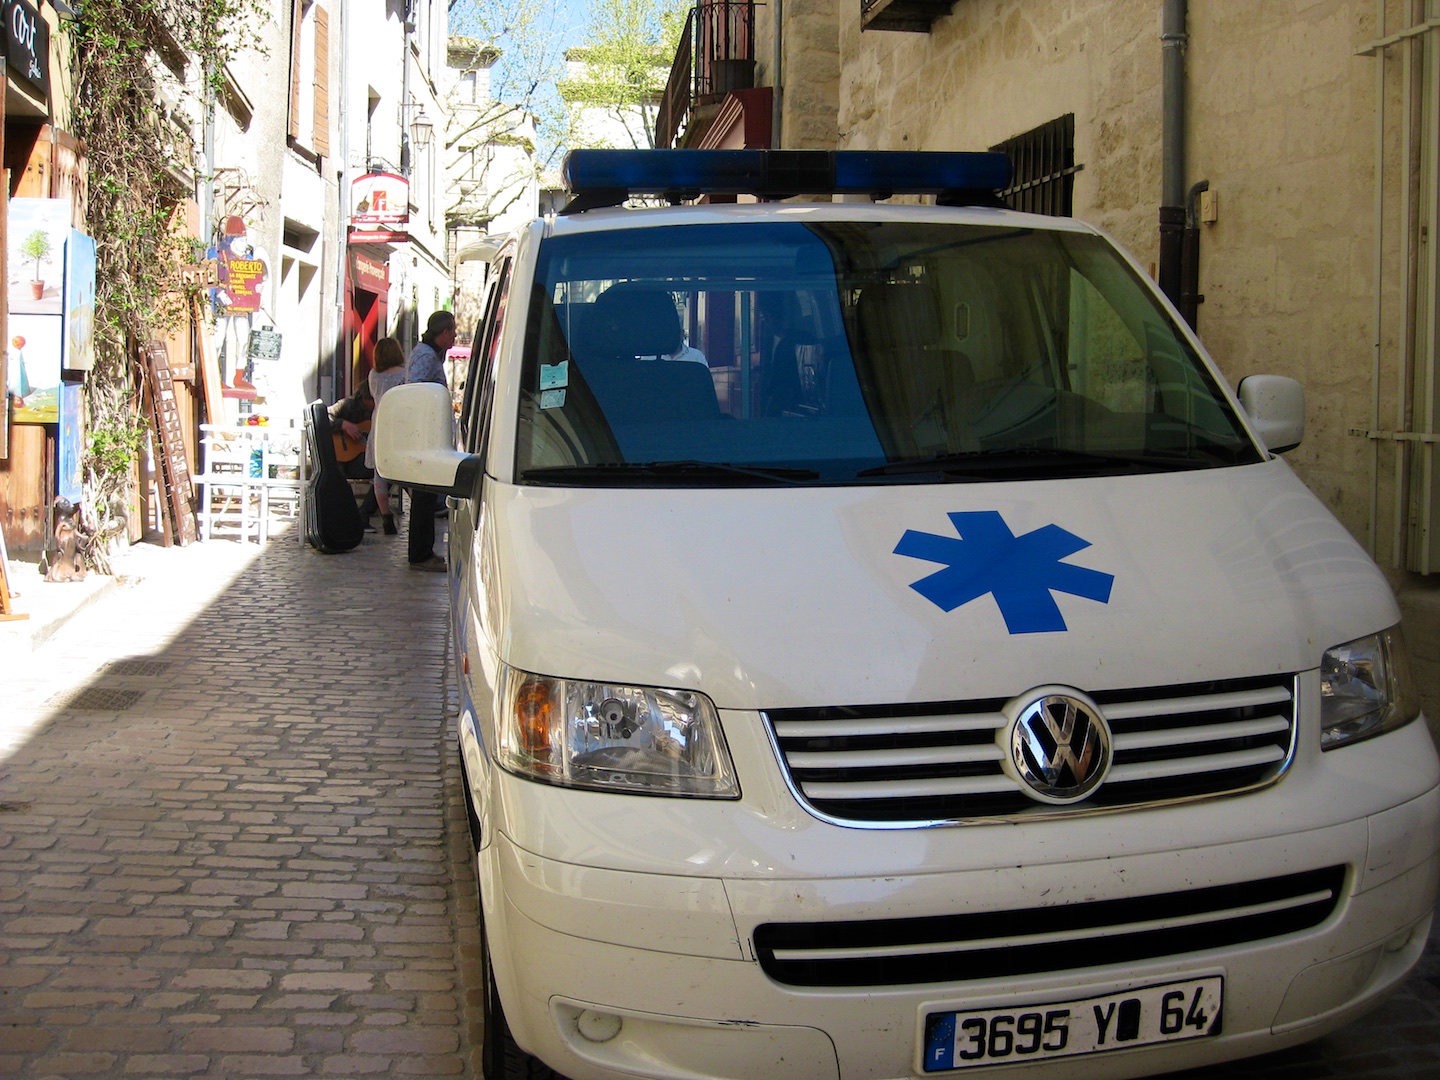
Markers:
<point>141,72</point>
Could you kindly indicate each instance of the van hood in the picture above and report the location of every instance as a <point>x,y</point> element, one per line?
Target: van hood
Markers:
<point>825,596</point>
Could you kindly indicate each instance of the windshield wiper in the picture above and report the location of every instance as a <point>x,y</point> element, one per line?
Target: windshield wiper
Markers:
<point>641,472</point>
<point>1035,462</point>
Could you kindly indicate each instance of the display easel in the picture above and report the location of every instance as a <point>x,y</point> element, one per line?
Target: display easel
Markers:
<point>7,606</point>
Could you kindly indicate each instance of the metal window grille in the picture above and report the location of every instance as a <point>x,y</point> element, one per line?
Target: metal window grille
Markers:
<point>1044,160</point>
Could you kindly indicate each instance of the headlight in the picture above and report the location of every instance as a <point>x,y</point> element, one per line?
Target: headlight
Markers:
<point>637,739</point>
<point>1365,689</point>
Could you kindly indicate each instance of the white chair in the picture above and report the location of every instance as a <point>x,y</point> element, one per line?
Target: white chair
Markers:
<point>224,483</point>
<point>281,480</point>
<point>249,474</point>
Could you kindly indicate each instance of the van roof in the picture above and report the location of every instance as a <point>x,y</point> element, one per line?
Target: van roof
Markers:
<point>613,217</point>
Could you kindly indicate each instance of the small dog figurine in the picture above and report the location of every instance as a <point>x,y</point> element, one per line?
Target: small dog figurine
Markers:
<point>68,564</point>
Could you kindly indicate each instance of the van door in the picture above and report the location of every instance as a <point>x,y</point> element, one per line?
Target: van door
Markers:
<point>474,426</point>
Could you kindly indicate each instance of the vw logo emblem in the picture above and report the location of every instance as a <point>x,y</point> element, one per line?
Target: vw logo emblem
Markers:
<point>1060,746</point>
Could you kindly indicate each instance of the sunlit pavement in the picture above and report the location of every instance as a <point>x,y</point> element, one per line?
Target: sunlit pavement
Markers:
<point>232,842</point>
<point>226,811</point>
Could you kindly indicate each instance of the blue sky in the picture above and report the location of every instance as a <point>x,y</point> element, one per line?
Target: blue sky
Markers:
<point>578,12</point>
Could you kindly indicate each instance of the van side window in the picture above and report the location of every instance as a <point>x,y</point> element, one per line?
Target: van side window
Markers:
<point>467,387</point>
<point>480,388</point>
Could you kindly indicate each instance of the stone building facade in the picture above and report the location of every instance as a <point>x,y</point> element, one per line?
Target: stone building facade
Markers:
<point>1314,124</point>
<point>1281,122</point>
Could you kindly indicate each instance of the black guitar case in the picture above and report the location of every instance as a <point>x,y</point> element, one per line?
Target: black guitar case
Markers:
<point>332,520</point>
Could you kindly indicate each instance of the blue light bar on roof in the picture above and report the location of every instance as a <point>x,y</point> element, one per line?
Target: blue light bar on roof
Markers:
<point>605,177</point>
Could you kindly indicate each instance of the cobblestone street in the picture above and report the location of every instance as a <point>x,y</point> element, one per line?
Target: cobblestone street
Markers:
<point>223,826</point>
<point>232,842</point>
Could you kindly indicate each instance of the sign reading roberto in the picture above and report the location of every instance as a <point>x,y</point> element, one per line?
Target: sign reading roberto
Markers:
<point>242,273</point>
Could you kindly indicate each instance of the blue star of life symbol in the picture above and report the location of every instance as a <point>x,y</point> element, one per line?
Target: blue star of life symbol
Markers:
<point>1021,572</point>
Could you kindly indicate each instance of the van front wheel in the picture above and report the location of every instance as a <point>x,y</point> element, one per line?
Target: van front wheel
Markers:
<point>500,1058</point>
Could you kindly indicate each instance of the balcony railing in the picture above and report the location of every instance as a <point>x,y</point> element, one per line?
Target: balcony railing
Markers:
<point>716,55</point>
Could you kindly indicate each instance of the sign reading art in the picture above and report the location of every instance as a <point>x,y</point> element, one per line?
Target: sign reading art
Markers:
<point>378,199</point>
<point>27,46</point>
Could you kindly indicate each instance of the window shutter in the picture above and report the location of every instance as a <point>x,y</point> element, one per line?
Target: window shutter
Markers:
<point>297,15</point>
<point>320,137</point>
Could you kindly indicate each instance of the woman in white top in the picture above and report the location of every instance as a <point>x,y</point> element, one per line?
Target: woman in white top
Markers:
<point>389,371</point>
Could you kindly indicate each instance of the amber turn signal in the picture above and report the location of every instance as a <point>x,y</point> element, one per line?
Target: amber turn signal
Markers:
<point>533,708</point>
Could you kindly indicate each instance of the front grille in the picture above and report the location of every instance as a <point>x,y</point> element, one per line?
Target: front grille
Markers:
<point>942,762</point>
<point>998,944</point>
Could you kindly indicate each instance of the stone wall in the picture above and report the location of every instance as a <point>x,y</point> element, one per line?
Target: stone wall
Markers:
<point>810,82</point>
<point>1281,121</point>
<point>1283,126</point>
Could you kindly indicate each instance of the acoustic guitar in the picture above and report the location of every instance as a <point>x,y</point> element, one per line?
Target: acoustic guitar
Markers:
<point>346,448</point>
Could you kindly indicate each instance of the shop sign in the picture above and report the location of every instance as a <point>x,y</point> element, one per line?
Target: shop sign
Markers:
<point>379,199</point>
<point>380,236</point>
<point>27,46</point>
<point>264,344</point>
<point>241,280</point>
<point>242,271</point>
<point>370,275</point>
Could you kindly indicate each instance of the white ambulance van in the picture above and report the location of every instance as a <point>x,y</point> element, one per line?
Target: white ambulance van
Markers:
<point>887,648</point>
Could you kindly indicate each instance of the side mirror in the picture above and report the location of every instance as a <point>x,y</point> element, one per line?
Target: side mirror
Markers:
<point>414,433</point>
<point>1276,408</point>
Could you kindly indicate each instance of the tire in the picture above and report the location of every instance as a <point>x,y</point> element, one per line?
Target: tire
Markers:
<point>500,1058</point>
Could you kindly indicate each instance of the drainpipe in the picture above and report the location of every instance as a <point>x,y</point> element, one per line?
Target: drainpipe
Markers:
<point>339,338</point>
<point>777,80</point>
<point>1190,296</point>
<point>207,185</point>
<point>1172,149</point>
<point>1377,343</point>
<point>1415,388</point>
<point>404,100</point>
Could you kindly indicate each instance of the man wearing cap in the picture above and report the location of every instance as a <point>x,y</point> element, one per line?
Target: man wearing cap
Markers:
<point>427,364</point>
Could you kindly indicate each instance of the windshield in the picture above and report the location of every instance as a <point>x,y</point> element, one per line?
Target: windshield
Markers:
<point>855,352</point>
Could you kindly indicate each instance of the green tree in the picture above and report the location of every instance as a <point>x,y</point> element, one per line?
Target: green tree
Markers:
<point>491,146</point>
<point>506,61</point>
<point>619,74</point>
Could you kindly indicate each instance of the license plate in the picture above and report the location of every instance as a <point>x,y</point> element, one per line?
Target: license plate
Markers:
<point>1143,1016</point>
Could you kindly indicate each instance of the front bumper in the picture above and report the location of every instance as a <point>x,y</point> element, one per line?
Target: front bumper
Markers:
<point>673,957</point>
